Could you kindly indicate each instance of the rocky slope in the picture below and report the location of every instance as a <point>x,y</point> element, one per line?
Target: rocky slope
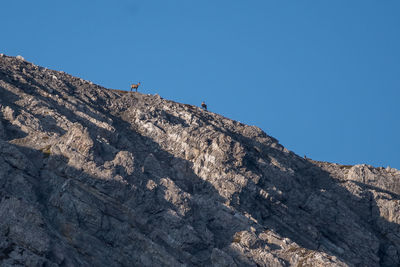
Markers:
<point>98,177</point>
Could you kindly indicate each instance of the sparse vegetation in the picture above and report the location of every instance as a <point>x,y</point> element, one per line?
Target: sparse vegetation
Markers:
<point>293,249</point>
<point>46,151</point>
<point>304,254</point>
<point>346,166</point>
<point>237,237</point>
<point>120,91</point>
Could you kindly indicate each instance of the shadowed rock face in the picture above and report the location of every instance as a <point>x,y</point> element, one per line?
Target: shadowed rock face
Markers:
<point>98,177</point>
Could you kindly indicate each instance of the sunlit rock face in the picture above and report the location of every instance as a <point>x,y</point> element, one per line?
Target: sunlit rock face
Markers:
<point>97,177</point>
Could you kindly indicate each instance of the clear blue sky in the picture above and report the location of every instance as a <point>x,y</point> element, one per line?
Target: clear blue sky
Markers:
<point>323,77</point>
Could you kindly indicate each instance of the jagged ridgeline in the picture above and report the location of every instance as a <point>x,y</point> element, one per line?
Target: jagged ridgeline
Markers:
<point>96,177</point>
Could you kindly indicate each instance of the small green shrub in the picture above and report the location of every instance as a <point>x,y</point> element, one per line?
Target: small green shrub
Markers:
<point>46,151</point>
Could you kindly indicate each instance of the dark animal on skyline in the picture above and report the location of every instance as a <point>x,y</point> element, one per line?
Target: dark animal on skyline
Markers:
<point>203,105</point>
<point>135,86</point>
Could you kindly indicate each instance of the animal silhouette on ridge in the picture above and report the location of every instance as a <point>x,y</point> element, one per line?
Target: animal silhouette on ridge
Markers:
<point>203,105</point>
<point>135,86</point>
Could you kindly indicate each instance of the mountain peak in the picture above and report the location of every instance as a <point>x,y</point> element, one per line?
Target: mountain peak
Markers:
<point>91,176</point>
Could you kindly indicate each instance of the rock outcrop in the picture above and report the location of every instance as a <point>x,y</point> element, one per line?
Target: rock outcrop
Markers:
<point>97,177</point>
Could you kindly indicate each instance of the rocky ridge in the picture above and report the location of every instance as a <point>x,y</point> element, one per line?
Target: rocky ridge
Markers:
<point>96,177</point>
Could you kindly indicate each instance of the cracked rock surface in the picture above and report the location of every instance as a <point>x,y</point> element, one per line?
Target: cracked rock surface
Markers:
<point>96,177</point>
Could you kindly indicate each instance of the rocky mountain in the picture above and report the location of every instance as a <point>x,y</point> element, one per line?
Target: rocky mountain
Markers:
<point>96,177</point>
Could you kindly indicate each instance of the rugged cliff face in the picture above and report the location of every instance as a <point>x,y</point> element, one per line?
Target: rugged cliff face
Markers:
<point>98,177</point>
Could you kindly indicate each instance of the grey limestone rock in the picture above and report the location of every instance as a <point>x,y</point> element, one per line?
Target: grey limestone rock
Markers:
<point>91,176</point>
